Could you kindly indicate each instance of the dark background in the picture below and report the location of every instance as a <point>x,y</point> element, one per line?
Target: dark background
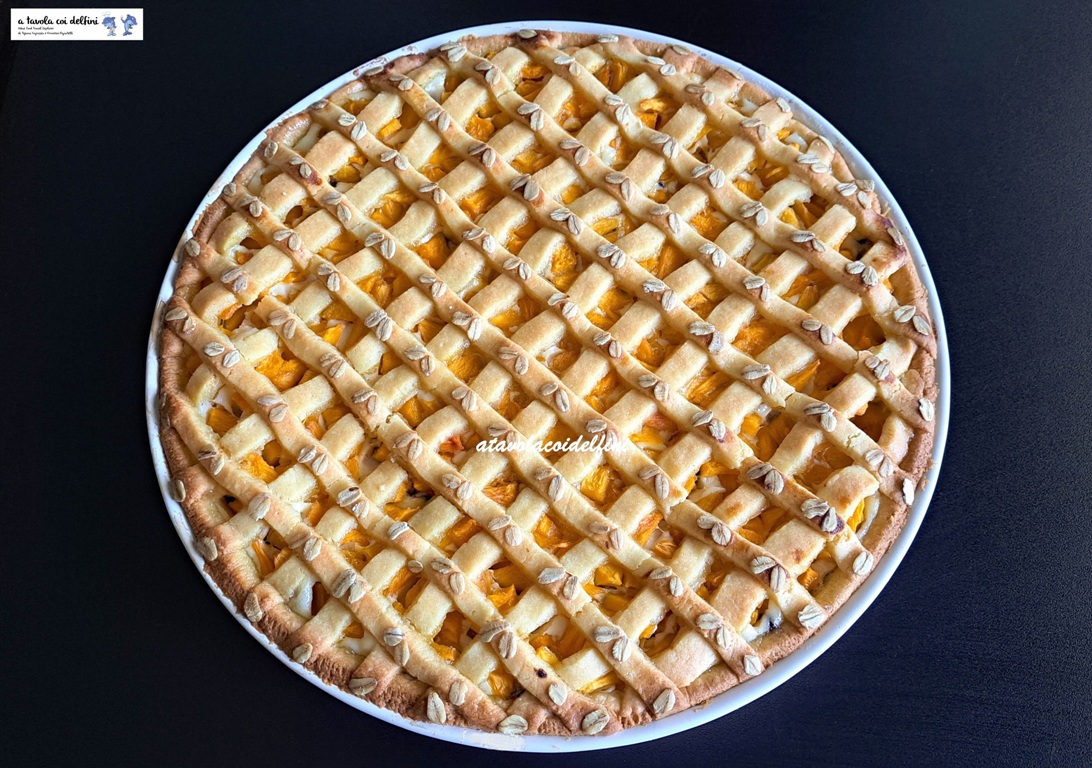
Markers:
<point>977,116</point>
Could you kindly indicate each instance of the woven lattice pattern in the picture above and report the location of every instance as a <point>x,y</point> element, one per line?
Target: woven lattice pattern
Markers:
<point>537,239</point>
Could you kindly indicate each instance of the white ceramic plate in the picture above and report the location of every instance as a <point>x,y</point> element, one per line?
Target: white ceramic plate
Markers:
<point>730,700</point>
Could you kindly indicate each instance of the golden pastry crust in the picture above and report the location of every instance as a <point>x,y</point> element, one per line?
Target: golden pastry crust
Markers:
<point>541,236</point>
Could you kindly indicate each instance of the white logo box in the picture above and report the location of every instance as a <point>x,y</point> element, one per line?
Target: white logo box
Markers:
<point>113,24</point>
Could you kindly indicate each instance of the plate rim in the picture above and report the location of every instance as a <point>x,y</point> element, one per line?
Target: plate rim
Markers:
<point>733,698</point>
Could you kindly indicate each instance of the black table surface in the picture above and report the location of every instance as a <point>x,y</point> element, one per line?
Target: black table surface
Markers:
<point>976,115</point>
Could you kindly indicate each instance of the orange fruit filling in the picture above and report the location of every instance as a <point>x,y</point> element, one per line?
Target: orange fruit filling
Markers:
<point>568,349</point>
<point>612,588</point>
<point>665,262</point>
<point>713,579</point>
<point>566,266</point>
<point>428,328</point>
<point>824,460</point>
<point>388,362</point>
<point>480,128</point>
<point>258,467</point>
<point>603,485</point>
<point>284,373</point>
<point>768,172</point>
<point>613,227</point>
<point>392,207</point>
<point>808,288</point>
<point>448,449</point>
<point>435,250</point>
<point>512,402</point>
<point>655,434</point>
<point>511,319</point>
<point>447,639</point>
<point>503,488</point>
<point>504,598</point>
<point>624,152</point>
<point>384,285</point>
<point>337,311</point>
<point>759,527</point>
<point>459,534</point>
<point>501,683</point>
<point>648,525</point>
<point>557,435</point>
<point>388,129</point>
<point>605,393</point>
<point>575,112</point>
<point>802,215</point>
<point>300,212</point>
<point>709,223</point>
<point>857,517</point>
<point>572,192</point>
<point>666,185</point>
<point>417,409</point>
<point>707,143</point>
<point>555,536</point>
<point>764,438</point>
<point>653,350</point>
<point>872,419</point>
<point>543,651</point>
<point>863,332</point>
<point>355,105</point>
<point>467,365</point>
<point>705,301</point>
<point>441,162</point>
<point>757,335</point>
<point>519,236</point>
<point>607,682</point>
<point>799,379</point>
<point>357,547</point>
<point>480,201</point>
<point>610,308</point>
<point>748,187</point>
<point>613,74</point>
<point>350,173</point>
<point>707,386</point>
<point>656,638</point>
<point>400,588</point>
<point>220,419</point>
<point>340,247</point>
<point>532,79</point>
<point>655,112</point>
<point>531,160</point>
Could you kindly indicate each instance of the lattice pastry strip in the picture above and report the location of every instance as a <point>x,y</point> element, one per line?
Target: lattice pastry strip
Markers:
<point>750,558</point>
<point>514,651</point>
<point>455,478</point>
<point>465,496</point>
<point>698,612</point>
<point>576,413</point>
<point>692,168</point>
<point>340,579</point>
<point>615,641</point>
<point>807,403</point>
<point>759,127</point>
<point>700,171</point>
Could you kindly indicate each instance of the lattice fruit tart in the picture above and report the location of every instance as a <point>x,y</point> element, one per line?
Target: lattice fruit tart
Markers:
<point>533,239</point>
